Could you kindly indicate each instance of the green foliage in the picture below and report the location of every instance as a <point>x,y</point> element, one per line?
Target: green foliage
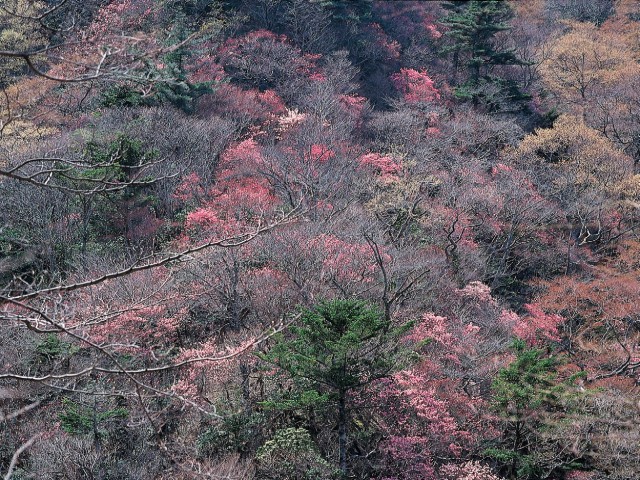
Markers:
<point>77,419</point>
<point>292,440</point>
<point>124,152</point>
<point>531,402</point>
<point>52,347</point>
<point>338,345</point>
<point>180,92</point>
<point>172,85</point>
<point>13,239</point>
<point>115,162</point>
<point>352,11</point>
<point>288,401</point>
<point>528,382</point>
<point>472,28</point>
<point>122,96</point>
<point>122,203</point>
<point>175,90</point>
<point>237,433</point>
<point>292,454</point>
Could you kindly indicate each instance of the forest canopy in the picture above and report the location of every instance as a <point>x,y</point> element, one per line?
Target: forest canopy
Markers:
<point>317,239</point>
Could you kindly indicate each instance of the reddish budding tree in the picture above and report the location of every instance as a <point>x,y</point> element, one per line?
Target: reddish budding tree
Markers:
<point>433,412</point>
<point>415,86</point>
<point>600,311</point>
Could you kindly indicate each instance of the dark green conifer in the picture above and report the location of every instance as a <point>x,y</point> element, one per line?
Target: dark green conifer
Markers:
<point>337,348</point>
<point>472,28</point>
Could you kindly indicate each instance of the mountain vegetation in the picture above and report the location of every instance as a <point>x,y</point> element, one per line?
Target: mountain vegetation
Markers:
<point>317,239</point>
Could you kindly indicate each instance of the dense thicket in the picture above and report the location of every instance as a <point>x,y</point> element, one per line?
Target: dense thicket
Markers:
<point>315,239</point>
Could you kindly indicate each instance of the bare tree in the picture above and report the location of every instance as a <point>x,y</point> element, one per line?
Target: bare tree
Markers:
<point>82,48</point>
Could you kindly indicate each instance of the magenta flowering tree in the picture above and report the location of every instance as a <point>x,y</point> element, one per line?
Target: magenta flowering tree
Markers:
<point>433,414</point>
<point>415,86</point>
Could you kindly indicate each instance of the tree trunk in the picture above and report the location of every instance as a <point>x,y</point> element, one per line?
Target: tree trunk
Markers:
<point>245,371</point>
<point>342,432</point>
<point>502,267</point>
<point>516,449</point>
<point>456,63</point>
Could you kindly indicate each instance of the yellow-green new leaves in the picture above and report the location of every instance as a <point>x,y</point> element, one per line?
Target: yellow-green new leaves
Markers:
<point>581,157</point>
<point>584,61</point>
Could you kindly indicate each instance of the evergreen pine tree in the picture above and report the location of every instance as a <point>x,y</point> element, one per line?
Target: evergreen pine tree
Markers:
<point>338,348</point>
<point>530,399</point>
<point>472,27</point>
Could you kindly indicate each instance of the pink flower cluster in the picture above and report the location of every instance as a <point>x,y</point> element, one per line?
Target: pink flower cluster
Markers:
<point>415,86</point>
<point>384,165</point>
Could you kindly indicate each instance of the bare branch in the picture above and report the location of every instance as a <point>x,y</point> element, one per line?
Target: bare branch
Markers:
<point>16,455</point>
<point>21,411</point>
<point>235,241</point>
